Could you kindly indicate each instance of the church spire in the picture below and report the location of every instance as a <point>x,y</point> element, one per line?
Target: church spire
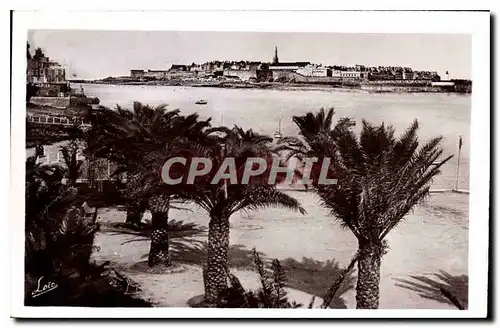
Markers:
<point>276,59</point>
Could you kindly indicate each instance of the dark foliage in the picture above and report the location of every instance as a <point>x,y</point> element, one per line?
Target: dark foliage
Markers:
<point>316,277</point>
<point>271,294</point>
<point>72,163</point>
<point>82,101</point>
<point>94,287</point>
<point>339,283</point>
<point>31,91</point>
<point>60,233</point>
<point>38,54</point>
<point>444,288</point>
<point>39,133</point>
<point>100,199</point>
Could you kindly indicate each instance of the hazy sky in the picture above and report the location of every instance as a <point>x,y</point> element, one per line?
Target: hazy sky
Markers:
<point>98,54</point>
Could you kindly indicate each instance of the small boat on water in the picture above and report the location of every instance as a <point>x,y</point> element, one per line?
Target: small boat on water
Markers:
<point>201,102</point>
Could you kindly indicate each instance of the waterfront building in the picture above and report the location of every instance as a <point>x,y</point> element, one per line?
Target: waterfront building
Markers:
<point>254,65</point>
<point>43,72</point>
<point>408,75</point>
<point>136,73</point>
<point>428,75</point>
<point>195,68</point>
<point>183,71</point>
<point>285,70</point>
<point>398,75</point>
<point>289,66</point>
<point>178,68</point>
<point>218,67</point>
<point>336,73</point>
<point>314,70</point>
<point>242,74</point>
<point>47,78</point>
<point>155,74</point>
<point>350,74</point>
<point>206,67</point>
<point>278,67</point>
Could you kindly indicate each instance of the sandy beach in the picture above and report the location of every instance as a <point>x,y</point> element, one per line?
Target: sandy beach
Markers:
<point>433,238</point>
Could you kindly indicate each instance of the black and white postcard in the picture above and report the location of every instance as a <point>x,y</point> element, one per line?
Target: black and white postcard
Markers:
<point>250,164</point>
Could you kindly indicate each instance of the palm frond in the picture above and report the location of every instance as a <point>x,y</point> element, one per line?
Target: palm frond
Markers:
<point>261,197</point>
<point>380,177</point>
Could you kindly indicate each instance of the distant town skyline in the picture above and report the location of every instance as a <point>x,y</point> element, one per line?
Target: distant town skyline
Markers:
<point>98,54</point>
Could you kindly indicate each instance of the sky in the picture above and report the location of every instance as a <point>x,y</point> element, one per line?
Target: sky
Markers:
<point>91,54</point>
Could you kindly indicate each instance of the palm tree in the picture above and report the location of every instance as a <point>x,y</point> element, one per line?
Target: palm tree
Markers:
<point>73,164</point>
<point>43,185</point>
<point>183,132</point>
<point>123,137</point>
<point>380,179</point>
<point>134,138</point>
<point>222,200</point>
<point>57,232</point>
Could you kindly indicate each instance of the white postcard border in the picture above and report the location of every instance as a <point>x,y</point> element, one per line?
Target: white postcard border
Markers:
<point>476,24</point>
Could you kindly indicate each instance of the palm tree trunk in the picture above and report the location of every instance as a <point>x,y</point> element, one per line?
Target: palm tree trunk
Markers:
<point>134,215</point>
<point>135,208</point>
<point>215,271</point>
<point>158,252</point>
<point>135,211</point>
<point>91,167</point>
<point>367,288</point>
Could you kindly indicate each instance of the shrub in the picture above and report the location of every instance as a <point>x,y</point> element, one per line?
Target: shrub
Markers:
<point>271,294</point>
<point>59,240</point>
